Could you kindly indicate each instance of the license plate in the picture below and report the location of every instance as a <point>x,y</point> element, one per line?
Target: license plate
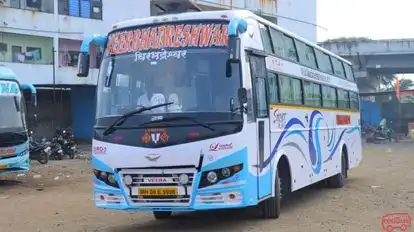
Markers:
<point>3,166</point>
<point>157,191</point>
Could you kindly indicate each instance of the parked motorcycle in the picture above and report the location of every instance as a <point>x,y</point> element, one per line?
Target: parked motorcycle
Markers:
<point>38,150</point>
<point>65,138</point>
<point>57,151</point>
<point>378,134</point>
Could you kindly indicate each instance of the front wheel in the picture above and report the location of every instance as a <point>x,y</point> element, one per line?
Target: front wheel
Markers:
<point>161,215</point>
<point>43,158</point>
<point>271,206</point>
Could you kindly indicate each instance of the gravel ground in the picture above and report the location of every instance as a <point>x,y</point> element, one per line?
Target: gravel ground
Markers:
<point>58,197</point>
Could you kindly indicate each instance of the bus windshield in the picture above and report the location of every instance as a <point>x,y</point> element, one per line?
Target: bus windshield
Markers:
<point>192,78</point>
<point>12,114</point>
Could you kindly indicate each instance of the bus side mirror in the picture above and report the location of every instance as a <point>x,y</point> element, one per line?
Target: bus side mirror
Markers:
<point>83,64</point>
<point>242,95</point>
<point>234,49</point>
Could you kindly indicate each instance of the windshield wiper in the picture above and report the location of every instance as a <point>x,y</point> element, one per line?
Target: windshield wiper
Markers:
<point>119,121</point>
<point>178,118</point>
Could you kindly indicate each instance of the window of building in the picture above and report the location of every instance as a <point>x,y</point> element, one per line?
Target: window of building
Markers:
<point>338,67</point>
<point>272,88</point>
<point>343,99</point>
<point>354,100</point>
<point>324,62</point>
<point>33,54</point>
<point>329,97</point>
<point>3,47</point>
<point>348,72</point>
<point>267,43</point>
<point>15,3</point>
<point>290,90</point>
<point>37,5</point>
<point>306,54</point>
<point>17,55</point>
<point>312,93</point>
<point>81,8</point>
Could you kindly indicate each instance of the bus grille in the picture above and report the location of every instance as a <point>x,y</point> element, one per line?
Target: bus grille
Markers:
<point>153,179</point>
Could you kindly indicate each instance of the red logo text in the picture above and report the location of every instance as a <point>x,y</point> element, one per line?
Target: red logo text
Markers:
<point>393,221</point>
<point>99,150</point>
<point>220,146</point>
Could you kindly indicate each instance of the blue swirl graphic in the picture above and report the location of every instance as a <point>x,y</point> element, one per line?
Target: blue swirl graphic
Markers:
<point>298,132</point>
<point>289,124</point>
<point>315,153</point>
<point>312,150</point>
<point>317,168</point>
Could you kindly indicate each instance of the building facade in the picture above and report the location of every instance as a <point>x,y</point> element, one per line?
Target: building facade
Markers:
<point>40,41</point>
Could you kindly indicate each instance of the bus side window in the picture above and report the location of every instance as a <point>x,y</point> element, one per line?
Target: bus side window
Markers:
<point>343,99</point>
<point>272,88</point>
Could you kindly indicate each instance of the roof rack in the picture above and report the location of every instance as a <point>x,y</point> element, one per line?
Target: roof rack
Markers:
<point>175,6</point>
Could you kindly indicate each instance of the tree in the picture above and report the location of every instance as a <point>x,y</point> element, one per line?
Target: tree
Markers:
<point>389,83</point>
<point>346,40</point>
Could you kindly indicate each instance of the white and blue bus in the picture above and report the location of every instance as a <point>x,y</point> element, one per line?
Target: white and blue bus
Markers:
<point>14,137</point>
<point>212,110</point>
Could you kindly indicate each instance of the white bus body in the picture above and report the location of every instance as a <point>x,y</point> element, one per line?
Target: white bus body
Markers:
<point>301,123</point>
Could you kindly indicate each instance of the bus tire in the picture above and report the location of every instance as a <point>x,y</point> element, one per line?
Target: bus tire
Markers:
<point>161,215</point>
<point>271,206</point>
<point>339,180</point>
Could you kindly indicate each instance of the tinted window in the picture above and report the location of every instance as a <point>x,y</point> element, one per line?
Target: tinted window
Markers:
<point>338,67</point>
<point>354,100</point>
<point>343,99</point>
<point>329,97</point>
<point>267,43</point>
<point>278,42</point>
<point>312,94</point>
<point>306,54</point>
<point>324,61</point>
<point>349,73</point>
<point>290,49</point>
<point>272,80</point>
<point>290,90</point>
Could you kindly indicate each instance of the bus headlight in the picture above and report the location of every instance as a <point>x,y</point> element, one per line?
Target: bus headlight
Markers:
<point>106,177</point>
<point>111,179</point>
<point>225,172</point>
<point>128,180</point>
<point>212,177</point>
<point>183,179</point>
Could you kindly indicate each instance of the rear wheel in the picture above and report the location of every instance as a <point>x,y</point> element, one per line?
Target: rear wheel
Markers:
<point>161,215</point>
<point>339,180</point>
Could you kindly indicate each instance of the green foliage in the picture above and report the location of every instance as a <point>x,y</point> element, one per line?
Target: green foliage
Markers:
<point>347,40</point>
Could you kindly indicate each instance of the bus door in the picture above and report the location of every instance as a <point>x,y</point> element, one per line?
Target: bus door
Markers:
<point>261,114</point>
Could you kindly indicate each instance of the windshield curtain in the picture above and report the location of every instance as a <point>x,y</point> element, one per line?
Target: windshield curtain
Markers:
<point>194,79</point>
<point>12,113</point>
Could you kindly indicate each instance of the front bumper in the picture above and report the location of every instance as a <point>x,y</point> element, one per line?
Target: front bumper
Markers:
<point>17,164</point>
<point>230,193</point>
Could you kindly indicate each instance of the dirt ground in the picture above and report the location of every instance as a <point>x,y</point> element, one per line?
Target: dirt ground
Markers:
<point>58,197</point>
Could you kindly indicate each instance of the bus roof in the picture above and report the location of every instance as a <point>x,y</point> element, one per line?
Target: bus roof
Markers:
<point>7,73</point>
<point>225,14</point>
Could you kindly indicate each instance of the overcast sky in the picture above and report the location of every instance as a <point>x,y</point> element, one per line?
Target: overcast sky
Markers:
<point>377,19</point>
